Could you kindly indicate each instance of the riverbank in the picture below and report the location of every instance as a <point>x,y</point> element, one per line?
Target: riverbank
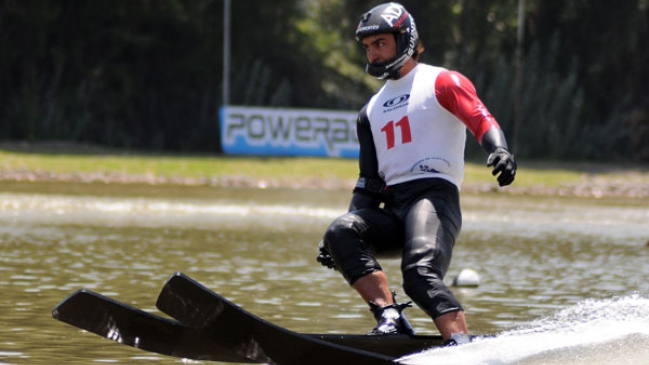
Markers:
<point>84,164</point>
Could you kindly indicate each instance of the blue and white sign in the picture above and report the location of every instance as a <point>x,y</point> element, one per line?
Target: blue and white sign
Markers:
<point>288,132</point>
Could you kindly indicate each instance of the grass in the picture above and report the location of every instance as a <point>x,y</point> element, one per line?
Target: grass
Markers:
<point>551,175</point>
<point>186,166</point>
<point>75,159</point>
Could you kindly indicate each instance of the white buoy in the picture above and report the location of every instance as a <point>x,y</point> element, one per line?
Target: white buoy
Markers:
<point>467,278</point>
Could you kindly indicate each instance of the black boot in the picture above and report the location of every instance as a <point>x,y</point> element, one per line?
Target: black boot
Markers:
<point>390,319</point>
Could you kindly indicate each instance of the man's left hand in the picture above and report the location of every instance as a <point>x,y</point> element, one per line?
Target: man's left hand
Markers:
<point>504,163</point>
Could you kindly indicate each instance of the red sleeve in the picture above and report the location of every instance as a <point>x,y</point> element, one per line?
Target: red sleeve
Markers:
<point>457,94</point>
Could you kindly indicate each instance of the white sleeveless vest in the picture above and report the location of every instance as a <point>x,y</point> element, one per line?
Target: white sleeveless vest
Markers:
<point>415,137</point>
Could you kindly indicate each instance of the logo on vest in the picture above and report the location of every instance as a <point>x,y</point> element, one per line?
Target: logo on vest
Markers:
<point>396,103</point>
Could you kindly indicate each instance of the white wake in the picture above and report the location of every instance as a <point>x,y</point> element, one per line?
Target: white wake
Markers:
<point>604,331</point>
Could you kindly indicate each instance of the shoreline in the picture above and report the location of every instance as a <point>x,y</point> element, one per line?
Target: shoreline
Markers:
<point>62,162</point>
<point>628,185</point>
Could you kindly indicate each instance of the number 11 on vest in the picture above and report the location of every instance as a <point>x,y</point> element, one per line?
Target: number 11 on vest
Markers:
<point>404,127</point>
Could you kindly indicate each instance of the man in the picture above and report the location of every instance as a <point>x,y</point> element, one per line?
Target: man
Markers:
<point>412,136</point>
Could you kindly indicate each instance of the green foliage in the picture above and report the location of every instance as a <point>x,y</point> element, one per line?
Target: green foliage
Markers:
<point>580,84</point>
<point>148,74</point>
<point>125,73</point>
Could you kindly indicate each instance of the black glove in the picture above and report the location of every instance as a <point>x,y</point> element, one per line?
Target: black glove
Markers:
<point>324,258</point>
<point>503,163</point>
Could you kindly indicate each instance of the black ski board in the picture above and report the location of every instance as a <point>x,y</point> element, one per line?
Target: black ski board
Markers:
<point>134,327</point>
<point>108,317</point>
<point>250,336</point>
<point>394,346</point>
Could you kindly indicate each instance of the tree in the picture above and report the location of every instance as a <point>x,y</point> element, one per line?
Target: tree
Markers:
<point>147,74</point>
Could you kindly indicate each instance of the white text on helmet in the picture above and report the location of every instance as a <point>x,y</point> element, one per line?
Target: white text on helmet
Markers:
<point>367,28</point>
<point>394,15</point>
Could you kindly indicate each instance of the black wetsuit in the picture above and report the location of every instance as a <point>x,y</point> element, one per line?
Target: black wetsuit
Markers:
<point>418,221</point>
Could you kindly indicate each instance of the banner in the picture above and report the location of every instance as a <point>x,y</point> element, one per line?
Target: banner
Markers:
<point>288,132</point>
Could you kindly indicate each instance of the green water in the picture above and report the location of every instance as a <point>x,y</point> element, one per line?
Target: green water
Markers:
<point>535,256</point>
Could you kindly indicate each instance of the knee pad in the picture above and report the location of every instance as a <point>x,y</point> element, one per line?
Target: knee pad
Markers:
<point>344,242</point>
<point>427,289</point>
<point>341,231</point>
<point>428,256</point>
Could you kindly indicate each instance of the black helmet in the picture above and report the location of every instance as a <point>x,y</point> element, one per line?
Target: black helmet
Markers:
<point>389,18</point>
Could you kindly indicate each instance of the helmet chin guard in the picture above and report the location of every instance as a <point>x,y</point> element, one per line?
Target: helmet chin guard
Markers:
<point>389,18</point>
<point>387,70</point>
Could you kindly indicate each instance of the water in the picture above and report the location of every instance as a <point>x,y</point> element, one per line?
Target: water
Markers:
<point>562,280</point>
<point>600,331</point>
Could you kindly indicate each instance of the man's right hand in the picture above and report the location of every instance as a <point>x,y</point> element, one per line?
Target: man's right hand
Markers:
<point>324,258</point>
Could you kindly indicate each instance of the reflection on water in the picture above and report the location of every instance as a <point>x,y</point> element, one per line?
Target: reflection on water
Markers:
<point>537,257</point>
